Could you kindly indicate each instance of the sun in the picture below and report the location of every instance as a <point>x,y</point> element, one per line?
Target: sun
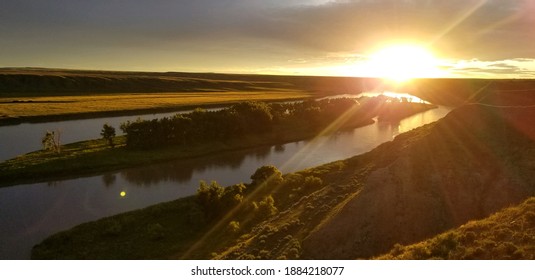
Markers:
<point>401,63</point>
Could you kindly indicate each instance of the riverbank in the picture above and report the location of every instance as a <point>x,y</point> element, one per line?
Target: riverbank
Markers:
<point>179,229</point>
<point>95,156</point>
<point>337,210</point>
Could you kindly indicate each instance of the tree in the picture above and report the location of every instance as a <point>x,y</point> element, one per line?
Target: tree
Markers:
<point>108,132</point>
<point>265,208</point>
<point>267,174</point>
<point>254,117</point>
<point>209,198</point>
<point>232,196</point>
<point>51,141</point>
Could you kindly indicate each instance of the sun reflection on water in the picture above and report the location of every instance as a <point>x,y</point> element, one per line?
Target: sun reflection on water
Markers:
<point>398,95</point>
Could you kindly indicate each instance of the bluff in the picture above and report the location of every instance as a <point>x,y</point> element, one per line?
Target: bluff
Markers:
<point>474,162</point>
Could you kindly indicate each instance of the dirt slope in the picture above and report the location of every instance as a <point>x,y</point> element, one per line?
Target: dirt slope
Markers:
<point>476,161</point>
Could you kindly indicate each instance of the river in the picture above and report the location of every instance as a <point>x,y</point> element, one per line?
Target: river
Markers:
<point>26,137</point>
<point>31,212</point>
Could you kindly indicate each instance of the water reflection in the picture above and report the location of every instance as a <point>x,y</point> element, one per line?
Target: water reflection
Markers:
<point>401,96</point>
<point>279,149</point>
<point>108,179</point>
<point>397,95</point>
<point>262,152</point>
<point>182,171</point>
<point>391,127</point>
<point>53,183</point>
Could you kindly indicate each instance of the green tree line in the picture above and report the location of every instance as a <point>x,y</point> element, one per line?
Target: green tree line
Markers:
<point>201,126</point>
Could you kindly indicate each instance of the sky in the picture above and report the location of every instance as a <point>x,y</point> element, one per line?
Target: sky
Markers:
<point>470,38</point>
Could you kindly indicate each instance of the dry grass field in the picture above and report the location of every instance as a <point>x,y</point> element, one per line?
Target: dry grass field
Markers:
<point>34,94</point>
<point>84,104</point>
<point>28,94</point>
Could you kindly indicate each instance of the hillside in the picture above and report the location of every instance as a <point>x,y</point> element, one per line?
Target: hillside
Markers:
<point>39,82</point>
<point>472,163</point>
<point>469,165</point>
<point>508,234</point>
<point>41,94</point>
<point>16,82</point>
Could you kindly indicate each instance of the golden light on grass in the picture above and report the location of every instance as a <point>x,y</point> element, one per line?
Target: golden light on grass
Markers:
<point>65,105</point>
<point>403,62</point>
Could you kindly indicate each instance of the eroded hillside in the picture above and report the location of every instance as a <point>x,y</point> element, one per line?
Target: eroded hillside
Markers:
<point>469,165</point>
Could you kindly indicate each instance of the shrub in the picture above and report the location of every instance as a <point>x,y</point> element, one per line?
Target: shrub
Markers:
<point>216,200</point>
<point>397,250</point>
<point>265,208</point>
<point>313,182</point>
<point>232,196</point>
<point>233,227</point>
<point>52,141</point>
<point>268,175</point>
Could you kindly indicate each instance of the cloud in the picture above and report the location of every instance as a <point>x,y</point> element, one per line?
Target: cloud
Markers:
<point>513,68</point>
<point>490,29</point>
<point>466,27</point>
<point>277,30</point>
